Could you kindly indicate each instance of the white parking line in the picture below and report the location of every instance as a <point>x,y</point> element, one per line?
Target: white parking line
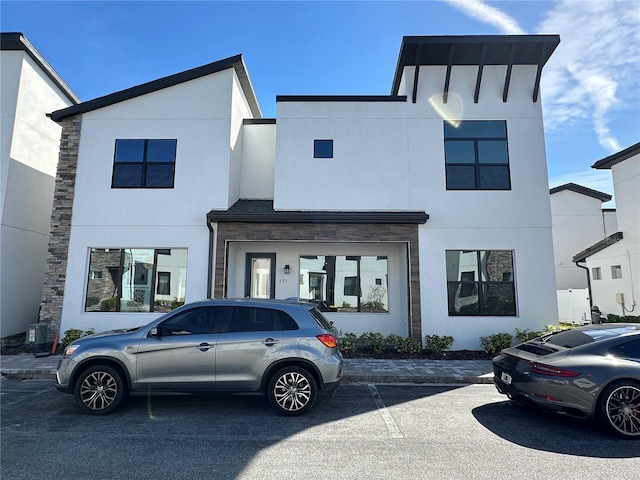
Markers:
<point>394,431</point>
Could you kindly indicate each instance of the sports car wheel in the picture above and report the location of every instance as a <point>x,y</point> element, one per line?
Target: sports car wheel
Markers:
<point>292,391</point>
<point>619,409</point>
<point>100,390</point>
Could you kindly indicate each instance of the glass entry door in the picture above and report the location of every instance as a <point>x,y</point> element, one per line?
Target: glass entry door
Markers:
<point>260,277</point>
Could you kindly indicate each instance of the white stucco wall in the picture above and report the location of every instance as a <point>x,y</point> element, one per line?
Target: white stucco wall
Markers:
<point>578,223</point>
<point>200,114</point>
<point>258,162</point>
<point>29,148</point>
<point>390,156</point>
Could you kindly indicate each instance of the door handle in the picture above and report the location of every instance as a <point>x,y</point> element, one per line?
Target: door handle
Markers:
<point>203,347</point>
<point>270,342</point>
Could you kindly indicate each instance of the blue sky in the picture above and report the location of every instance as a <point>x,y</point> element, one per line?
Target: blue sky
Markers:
<point>590,87</point>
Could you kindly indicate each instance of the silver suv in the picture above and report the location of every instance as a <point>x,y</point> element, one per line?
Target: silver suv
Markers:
<point>286,349</point>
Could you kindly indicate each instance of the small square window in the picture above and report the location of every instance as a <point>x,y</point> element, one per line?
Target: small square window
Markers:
<point>323,149</point>
<point>596,273</point>
<point>616,271</point>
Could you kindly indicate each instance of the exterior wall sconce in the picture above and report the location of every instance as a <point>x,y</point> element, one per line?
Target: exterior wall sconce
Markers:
<point>287,269</point>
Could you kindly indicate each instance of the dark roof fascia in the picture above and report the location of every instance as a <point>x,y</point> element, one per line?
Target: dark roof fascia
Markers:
<point>15,41</point>
<point>234,62</point>
<point>506,50</point>
<point>261,211</point>
<point>604,197</point>
<point>597,247</point>
<point>259,121</point>
<point>608,162</point>
<point>341,98</point>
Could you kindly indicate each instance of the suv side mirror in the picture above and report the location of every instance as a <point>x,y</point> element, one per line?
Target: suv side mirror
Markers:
<point>154,332</point>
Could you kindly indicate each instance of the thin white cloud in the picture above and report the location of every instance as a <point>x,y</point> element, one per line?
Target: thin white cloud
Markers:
<point>595,71</point>
<point>490,15</point>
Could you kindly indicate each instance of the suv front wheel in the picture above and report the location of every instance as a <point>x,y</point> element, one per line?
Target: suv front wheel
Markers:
<point>292,391</point>
<point>100,390</point>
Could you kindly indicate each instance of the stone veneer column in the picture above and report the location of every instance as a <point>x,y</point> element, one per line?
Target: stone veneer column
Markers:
<point>56,268</point>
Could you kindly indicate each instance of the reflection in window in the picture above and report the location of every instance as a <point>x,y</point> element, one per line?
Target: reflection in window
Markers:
<point>129,280</point>
<point>480,283</point>
<point>351,283</point>
<point>144,163</point>
<point>476,155</point>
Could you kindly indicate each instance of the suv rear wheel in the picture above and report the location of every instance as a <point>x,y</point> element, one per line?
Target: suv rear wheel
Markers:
<point>292,391</point>
<point>100,390</point>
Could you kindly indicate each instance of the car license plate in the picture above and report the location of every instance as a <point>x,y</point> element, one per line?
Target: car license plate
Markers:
<point>506,378</point>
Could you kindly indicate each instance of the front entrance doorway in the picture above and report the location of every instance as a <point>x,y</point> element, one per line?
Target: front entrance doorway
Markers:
<point>260,276</point>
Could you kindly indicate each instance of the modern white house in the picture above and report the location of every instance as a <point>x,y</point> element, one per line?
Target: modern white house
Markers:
<point>29,147</point>
<point>613,263</point>
<point>578,221</point>
<point>425,211</point>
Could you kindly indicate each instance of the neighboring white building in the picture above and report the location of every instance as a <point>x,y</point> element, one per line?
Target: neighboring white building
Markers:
<point>578,221</point>
<point>29,148</point>
<point>422,212</point>
<point>614,262</point>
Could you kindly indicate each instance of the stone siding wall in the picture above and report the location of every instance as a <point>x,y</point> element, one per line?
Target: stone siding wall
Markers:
<point>56,269</point>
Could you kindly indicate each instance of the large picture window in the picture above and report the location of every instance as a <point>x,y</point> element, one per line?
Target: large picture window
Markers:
<point>481,283</point>
<point>346,283</point>
<point>144,163</point>
<point>476,155</point>
<point>136,279</point>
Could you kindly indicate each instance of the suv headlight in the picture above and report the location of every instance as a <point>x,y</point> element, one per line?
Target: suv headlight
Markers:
<point>70,350</point>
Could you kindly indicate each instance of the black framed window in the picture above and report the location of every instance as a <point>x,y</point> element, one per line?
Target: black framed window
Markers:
<point>476,155</point>
<point>144,163</point>
<point>136,279</point>
<point>480,283</point>
<point>323,149</point>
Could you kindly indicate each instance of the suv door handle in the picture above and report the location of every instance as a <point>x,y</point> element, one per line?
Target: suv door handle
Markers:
<point>203,347</point>
<point>270,342</point>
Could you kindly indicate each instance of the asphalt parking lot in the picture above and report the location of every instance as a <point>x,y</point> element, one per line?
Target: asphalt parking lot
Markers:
<point>366,431</point>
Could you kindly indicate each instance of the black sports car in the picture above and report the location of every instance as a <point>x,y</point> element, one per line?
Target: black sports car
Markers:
<point>589,372</point>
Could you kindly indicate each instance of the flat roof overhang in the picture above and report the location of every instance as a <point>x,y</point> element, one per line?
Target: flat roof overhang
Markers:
<point>472,50</point>
<point>261,211</point>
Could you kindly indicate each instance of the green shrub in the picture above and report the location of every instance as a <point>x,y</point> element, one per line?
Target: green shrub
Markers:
<point>373,341</point>
<point>72,335</point>
<point>438,343</point>
<point>495,343</point>
<point>393,342</point>
<point>91,301</point>
<point>348,343</point>
<point>108,305</point>
<point>527,334</point>
<point>611,318</point>
<point>408,345</point>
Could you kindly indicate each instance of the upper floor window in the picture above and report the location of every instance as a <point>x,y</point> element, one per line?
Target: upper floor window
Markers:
<point>596,273</point>
<point>323,149</point>
<point>481,283</point>
<point>616,271</point>
<point>144,163</point>
<point>476,155</point>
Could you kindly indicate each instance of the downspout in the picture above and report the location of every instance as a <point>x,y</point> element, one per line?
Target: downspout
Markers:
<point>588,281</point>
<point>210,264</point>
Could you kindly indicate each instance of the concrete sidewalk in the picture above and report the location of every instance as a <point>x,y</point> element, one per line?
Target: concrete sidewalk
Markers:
<point>28,366</point>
